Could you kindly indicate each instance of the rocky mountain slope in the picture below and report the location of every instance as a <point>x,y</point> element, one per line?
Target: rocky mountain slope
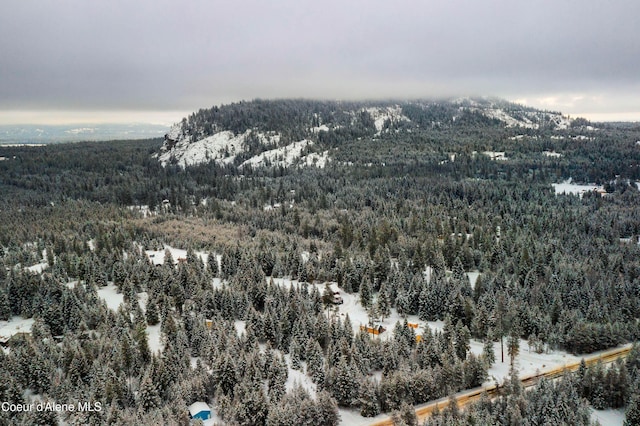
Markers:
<point>293,133</point>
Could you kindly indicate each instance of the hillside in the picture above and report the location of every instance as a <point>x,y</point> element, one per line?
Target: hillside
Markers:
<point>271,133</point>
<point>155,274</point>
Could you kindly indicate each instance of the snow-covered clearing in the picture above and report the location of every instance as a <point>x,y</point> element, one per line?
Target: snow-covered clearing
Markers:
<point>608,417</point>
<point>496,155</point>
<point>528,362</point>
<point>320,128</point>
<point>216,283</point>
<point>14,326</point>
<point>352,417</point>
<point>298,377</point>
<point>551,154</point>
<point>157,256</point>
<point>568,187</point>
<point>110,295</point>
<point>154,338</point>
<point>39,267</point>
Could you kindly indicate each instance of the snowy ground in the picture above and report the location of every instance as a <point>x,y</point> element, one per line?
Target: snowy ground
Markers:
<point>567,187</point>
<point>221,147</point>
<point>157,256</point>
<point>38,268</point>
<point>240,327</point>
<point>528,362</point>
<point>298,377</point>
<point>142,209</point>
<point>154,338</point>
<point>380,115</point>
<point>279,157</point>
<point>496,155</point>
<point>608,417</point>
<point>14,326</point>
<point>110,295</point>
<point>473,277</point>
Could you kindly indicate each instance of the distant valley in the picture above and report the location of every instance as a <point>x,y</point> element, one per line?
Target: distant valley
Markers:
<point>46,134</point>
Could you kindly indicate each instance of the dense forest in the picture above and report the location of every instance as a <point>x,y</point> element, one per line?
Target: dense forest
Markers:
<point>408,207</point>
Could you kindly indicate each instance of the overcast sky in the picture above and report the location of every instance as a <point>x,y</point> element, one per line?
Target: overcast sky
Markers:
<point>158,60</point>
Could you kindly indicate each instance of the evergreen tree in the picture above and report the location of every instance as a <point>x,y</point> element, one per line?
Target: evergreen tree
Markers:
<point>345,385</point>
<point>5,307</point>
<point>383,304</point>
<point>367,398</point>
<point>462,340</point>
<point>405,416</point>
<point>148,395</point>
<point>276,379</point>
<point>152,314</point>
<point>315,361</point>
<point>366,292</point>
<point>513,346</point>
<point>294,353</point>
<point>488,353</point>
<point>632,414</point>
<point>327,410</point>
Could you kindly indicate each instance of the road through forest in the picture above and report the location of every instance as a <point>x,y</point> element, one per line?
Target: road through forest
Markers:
<point>468,396</point>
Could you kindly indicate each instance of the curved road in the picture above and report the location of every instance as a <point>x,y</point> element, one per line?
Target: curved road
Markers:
<point>465,397</point>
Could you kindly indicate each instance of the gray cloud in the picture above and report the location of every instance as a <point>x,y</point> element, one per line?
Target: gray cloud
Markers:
<point>171,55</point>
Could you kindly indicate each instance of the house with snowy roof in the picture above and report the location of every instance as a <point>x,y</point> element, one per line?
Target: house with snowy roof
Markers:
<point>199,410</point>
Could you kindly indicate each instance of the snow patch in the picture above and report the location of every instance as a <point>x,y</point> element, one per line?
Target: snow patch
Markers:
<point>496,155</point>
<point>280,157</point>
<point>473,277</point>
<point>154,338</point>
<point>297,377</point>
<point>142,209</point>
<point>318,129</point>
<point>381,115</point>
<point>221,147</point>
<point>240,326</point>
<point>315,160</point>
<point>38,268</point>
<point>157,256</point>
<point>608,417</point>
<point>509,121</point>
<point>568,187</point>
<point>110,295</point>
<point>81,130</point>
<point>14,326</point>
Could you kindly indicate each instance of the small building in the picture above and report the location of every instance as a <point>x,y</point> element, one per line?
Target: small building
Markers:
<point>199,410</point>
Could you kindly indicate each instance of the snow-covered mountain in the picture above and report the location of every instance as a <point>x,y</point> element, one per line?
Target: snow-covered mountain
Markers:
<point>292,133</point>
